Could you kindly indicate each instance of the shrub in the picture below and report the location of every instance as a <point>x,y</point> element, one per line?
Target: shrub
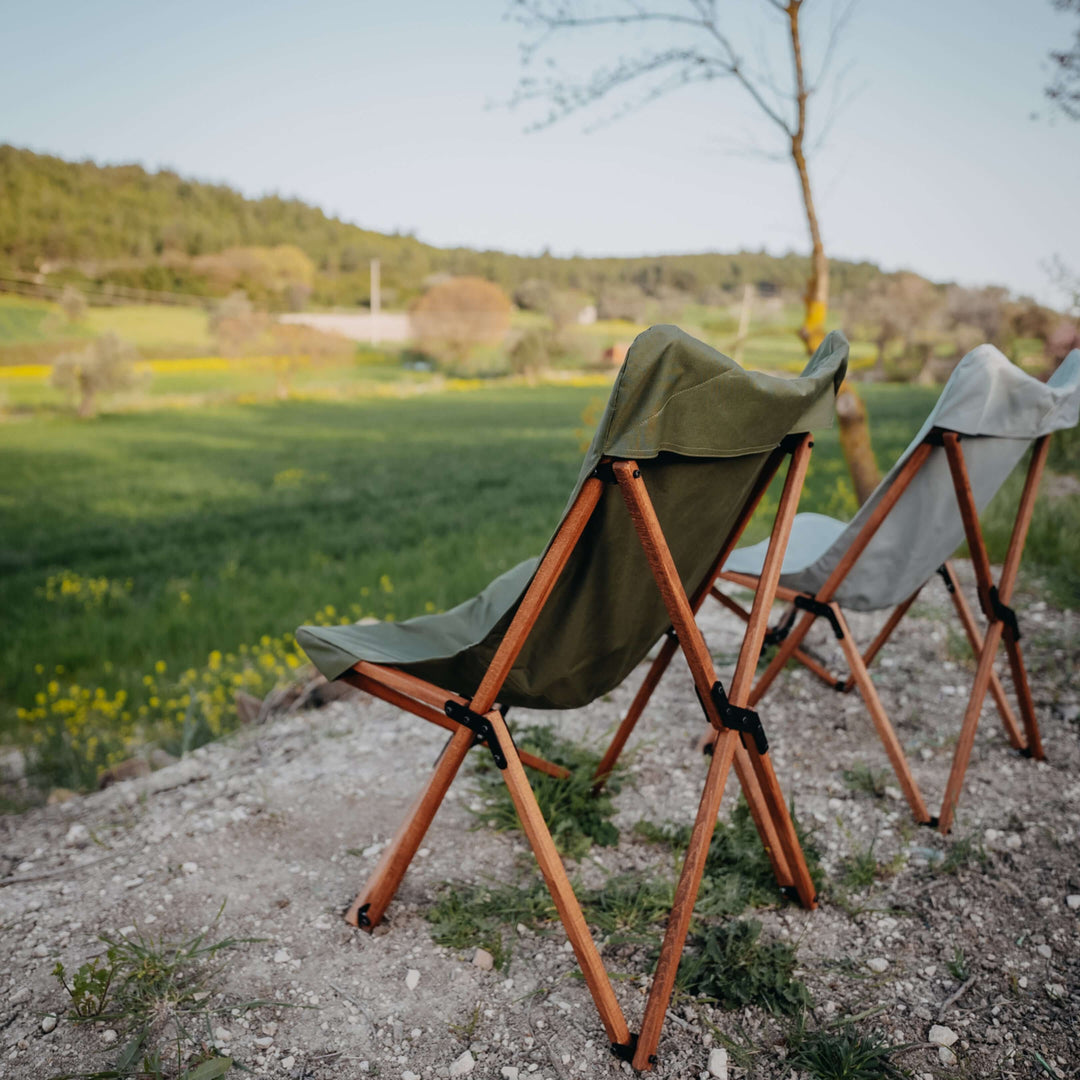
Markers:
<point>107,365</point>
<point>455,317</point>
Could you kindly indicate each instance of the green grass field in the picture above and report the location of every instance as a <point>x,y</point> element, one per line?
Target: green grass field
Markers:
<point>136,547</point>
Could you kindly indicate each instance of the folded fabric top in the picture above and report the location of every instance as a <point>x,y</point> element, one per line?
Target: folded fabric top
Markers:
<point>701,429</point>
<point>1001,410</point>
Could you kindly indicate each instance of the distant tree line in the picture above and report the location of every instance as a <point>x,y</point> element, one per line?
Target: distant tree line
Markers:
<point>121,225</point>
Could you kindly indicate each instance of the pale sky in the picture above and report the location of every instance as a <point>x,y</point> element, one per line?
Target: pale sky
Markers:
<point>389,115</point>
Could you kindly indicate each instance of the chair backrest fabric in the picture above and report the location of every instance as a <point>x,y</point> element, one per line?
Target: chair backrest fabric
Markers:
<point>701,429</point>
<point>999,410</point>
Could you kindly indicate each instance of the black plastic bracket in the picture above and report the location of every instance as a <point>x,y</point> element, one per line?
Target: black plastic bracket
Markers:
<point>605,471</point>
<point>936,436</point>
<point>790,443</point>
<point>480,725</point>
<point>822,610</point>
<point>626,1051</point>
<point>1004,613</point>
<point>931,823</point>
<point>776,635</point>
<point>362,919</point>
<point>943,570</point>
<point>744,721</point>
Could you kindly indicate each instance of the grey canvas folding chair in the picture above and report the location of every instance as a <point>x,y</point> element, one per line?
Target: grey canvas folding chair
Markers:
<point>683,454</point>
<point>988,415</point>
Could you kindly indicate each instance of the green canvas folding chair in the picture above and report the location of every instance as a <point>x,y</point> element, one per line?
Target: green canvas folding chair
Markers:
<point>683,454</point>
<point>988,415</point>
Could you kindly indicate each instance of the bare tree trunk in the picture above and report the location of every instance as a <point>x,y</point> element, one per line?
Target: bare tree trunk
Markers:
<point>87,396</point>
<point>854,428</point>
<point>816,299</point>
<point>855,442</point>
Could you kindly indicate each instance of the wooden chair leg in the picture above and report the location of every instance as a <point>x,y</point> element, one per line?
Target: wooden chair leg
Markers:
<point>685,896</point>
<point>368,907</point>
<point>1034,746</point>
<point>633,714</point>
<point>966,741</point>
<point>881,721</point>
<point>536,830</point>
<point>992,605</point>
<point>763,815</point>
<point>783,655</point>
<point>975,640</point>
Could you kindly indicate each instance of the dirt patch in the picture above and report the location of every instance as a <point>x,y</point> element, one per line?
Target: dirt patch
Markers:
<point>284,822</point>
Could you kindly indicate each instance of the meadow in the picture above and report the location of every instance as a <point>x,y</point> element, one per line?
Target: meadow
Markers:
<point>154,561</point>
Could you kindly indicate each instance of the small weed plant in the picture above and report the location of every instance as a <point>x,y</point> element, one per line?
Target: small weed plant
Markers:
<point>964,852</point>
<point>860,777</point>
<point>474,916</point>
<point>159,994</point>
<point>729,964</point>
<point>738,873</point>
<point>576,816</point>
<point>843,1054</point>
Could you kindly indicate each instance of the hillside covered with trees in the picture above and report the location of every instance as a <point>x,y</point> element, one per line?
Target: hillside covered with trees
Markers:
<point>122,225</point>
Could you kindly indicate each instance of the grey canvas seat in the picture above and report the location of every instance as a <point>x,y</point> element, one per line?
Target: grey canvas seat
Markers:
<point>1003,410</point>
<point>683,454</point>
<point>989,415</point>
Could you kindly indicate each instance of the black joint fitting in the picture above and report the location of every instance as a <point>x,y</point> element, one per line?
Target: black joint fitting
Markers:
<point>932,823</point>
<point>1003,613</point>
<point>744,721</point>
<point>943,570</point>
<point>362,915</point>
<point>821,610</point>
<point>480,725</point>
<point>605,472</point>
<point>626,1051</point>
<point>1025,751</point>
<point>841,686</point>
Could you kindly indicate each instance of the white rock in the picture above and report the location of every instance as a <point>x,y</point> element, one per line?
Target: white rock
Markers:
<point>282,956</point>
<point>108,1036</point>
<point>412,979</point>
<point>463,1065</point>
<point>48,1023</point>
<point>288,1062</point>
<point>1044,951</point>
<point>893,793</point>
<point>222,1035</point>
<point>264,1041</point>
<point>483,960</point>
<point>1013,842</point>
<point>509,1072</point>
<point>718,1062</point>
<point>1073,900</point>
<point>408,1075</point>
<point>878,964</point>
<point>190,867</point>
<point>20,996</point>
<point>946,1056</point>
<point>942,1036</point>
<point>1054,991</point>
<point>77,836</point>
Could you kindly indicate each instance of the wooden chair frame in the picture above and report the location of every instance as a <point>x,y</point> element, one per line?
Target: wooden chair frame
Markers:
<point>481,721</point>
<point>993,600</point>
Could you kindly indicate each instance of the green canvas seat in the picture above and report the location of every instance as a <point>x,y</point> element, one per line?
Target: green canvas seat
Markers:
<point>701,428</point>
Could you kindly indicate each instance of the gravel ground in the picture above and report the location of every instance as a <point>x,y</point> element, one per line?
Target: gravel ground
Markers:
<point>284,821</point>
